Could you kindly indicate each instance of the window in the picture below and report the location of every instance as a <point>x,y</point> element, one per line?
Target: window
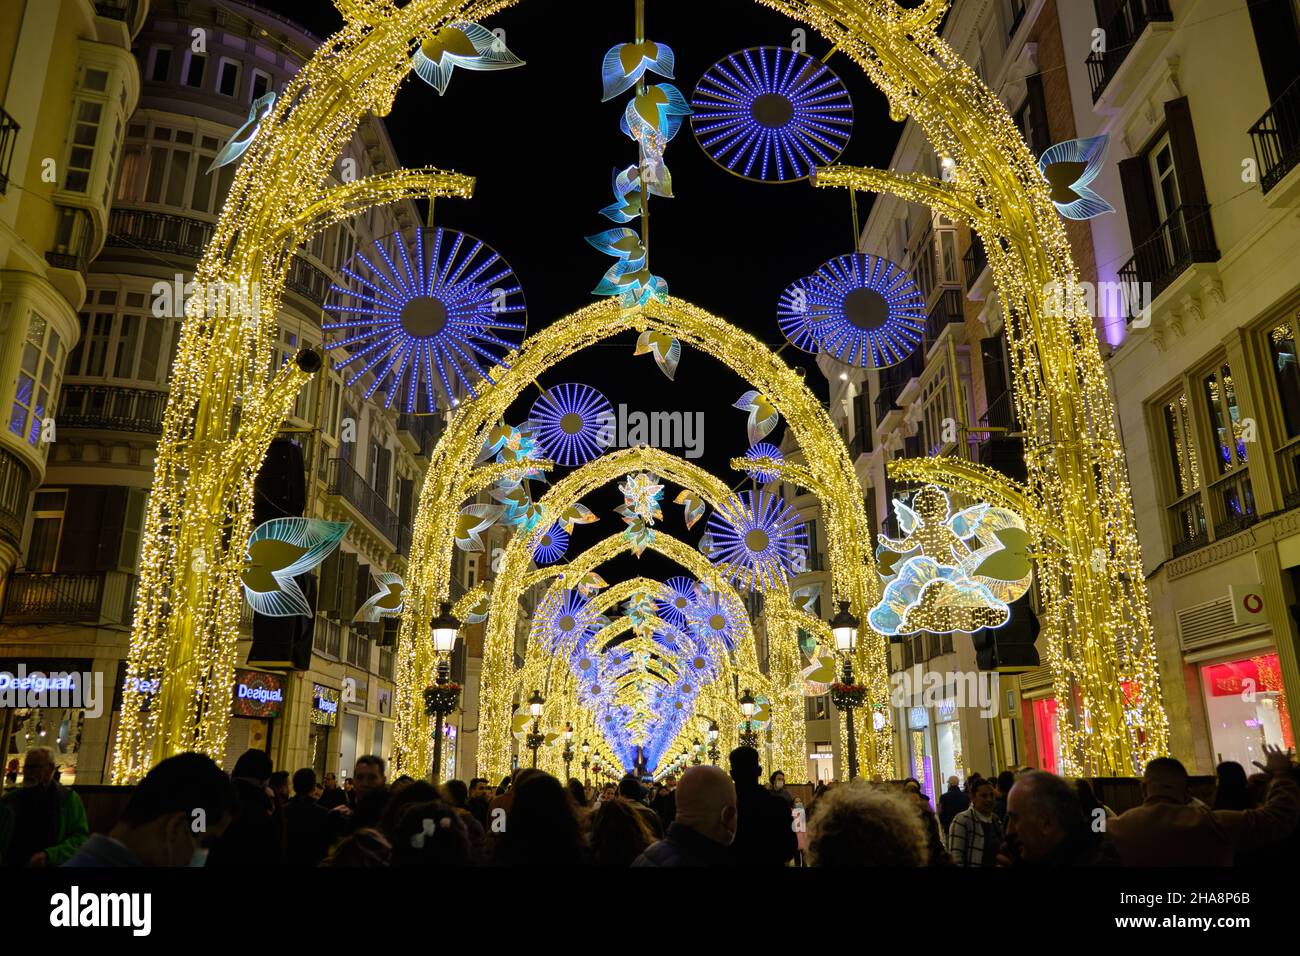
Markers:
<point>1286,373</point>
<point>228,77</point>
<point>194,67</point>
<point>1164,176</point>
<point>160,64</point>
<point>123,341</point>
<point>1231,495</point>
<point>1246,707</point>
<point>1185,508</point>
<point>47,528</point>
<point>261,83</point>
<point>81,148</point>
<point>37,385</point>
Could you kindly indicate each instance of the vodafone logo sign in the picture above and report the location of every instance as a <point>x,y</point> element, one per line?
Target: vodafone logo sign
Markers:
<point>1252,603</point>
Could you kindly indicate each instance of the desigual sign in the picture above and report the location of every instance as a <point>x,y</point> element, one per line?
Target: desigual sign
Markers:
<point>257,694</point>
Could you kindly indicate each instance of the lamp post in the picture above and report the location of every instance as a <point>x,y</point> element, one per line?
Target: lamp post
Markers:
<point>749,736</point>
<point>844,628</point>
<point>586,762</point>
<point>568,749</point>
<point>697,748</point>
<point>441,699</point>
<point>712,736</point>
<point>534,740</point>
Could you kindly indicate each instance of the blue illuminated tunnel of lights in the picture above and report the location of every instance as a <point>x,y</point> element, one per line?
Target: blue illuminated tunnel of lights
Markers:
<point>771,114</point>
<point>865,311</point>
<point>673,606</point>
<point>573,422</point>
<point>423,314</point>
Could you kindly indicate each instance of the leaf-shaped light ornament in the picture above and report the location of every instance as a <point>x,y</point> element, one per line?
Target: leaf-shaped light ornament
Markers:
<point>590,584</point>
<point>521,511</point>
<point>386,602</point>
<point>638,534</point>
<point>465,44</point>
<point>626,63</point>
<point>278,551</point>
<point>763,416</point>
<point>666,350</point>
<point>693,506</point>
<point>472,521</point>
<point>654,117</point>
<point>479,613</point>
<point>632,286</point>
<point>520,447</point>
<point>1002,560</point>
<point>1070,169</point>
<point>243,137</point>
<point>622,243</point>
<point>576,514</point>
<point>820,673</point>
<point>641,496</point>
<point>805,597</point>
<point>627,196</point>
<point>708,547</point>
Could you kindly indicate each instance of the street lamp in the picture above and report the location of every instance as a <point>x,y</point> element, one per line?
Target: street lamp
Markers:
<point>844,628</point>
<point>749,736</point>
<point>568,749</point>
<point>534,740</point>
<point>441,699</point>
<point>712,737</point>
<point>698,757</point>
<point>586,762</point>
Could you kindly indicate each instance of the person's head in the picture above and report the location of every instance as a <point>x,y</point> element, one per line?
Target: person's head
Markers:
<point>670,783</point>
<point>542,829</point>
<point>982,796</point>
<point>417,791</point>
<point>1165,779</point>
<point>618,834</point>
<point>478,787</point>
<point>317,792</point>
<point>953,783</point>
<point>608,792</point>
<point>630,788</point>
<point>577,792</point>
<point>862,825</point>
<point>745,767</point>
<point>347,784</point>
<point>368,776</point>
<point>1043,812</point>
<point>1231,792</point>
<point>279,784</point>
<point>1006,780</point>
<point>1087,796</point>
<point>777,780</point>
<point>254,765</point>
<point>38,767</point>
<point>706,802</point>
<point>331,781</point>
<point>402,781</point>
<point>457,792</point>
<point>183,804</point>
<point>304,782</point>
<point>431,834</point>
<point>366,847</point>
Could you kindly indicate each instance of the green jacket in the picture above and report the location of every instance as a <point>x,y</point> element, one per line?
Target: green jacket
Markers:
<point>73,828</point>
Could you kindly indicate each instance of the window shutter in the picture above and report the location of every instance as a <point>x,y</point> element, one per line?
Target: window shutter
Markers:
<point>330,584</point>
<point>1139,199</point>
<point>111,529</point>
<point>1040,133</point>
<point>79,546</point>
<point>1278,41</point>
<point>348,588</point>
<point>1191,180</point>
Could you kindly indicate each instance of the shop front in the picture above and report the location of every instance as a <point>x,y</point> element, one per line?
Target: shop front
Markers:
<point>323,726</point>
<point>46,703</point>
<point>1245,707</point>
<point>257,701</point>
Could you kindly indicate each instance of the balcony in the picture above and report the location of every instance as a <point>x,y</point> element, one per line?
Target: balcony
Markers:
<point>859,444</point>
<point>975,261</point>
<point>420,433</point>
<point>308,281</point>
<point>364,500</point>
<point>1002,449</point>
<point>949,310</point>
<point>1288,470</point>
<point>885,399</point>
<point>72,240</point>
<point>101,597</point>
<point>1122,34</point>
<point>159,232</point>
<point>1277,138</point>
<point>1187,236</point>
<point>8,137</point>
<point>111,408</point>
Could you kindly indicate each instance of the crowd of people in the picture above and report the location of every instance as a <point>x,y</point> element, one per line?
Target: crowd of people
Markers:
<point>188,812</point>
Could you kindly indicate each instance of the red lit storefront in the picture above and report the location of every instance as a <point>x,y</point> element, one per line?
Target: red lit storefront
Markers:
<point>1245,707</point>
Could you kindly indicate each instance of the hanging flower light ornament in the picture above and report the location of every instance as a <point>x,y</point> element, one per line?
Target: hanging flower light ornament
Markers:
<point>757,539</point>
<point>465,44</point>
<point>425,314</point>
<point>865,311</point>
<point>771,114</point>
<point>573,423</point>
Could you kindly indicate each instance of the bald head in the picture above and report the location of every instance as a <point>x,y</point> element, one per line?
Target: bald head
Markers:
<point>1165,777</point>
<point>706,802</point>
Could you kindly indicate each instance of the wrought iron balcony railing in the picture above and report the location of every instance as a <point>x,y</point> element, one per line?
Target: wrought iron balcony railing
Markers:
<point>1277,138</point>
<point>33,597</point>
<point>975,261</point>
<point>1187,236</point>
<point>8,137</point>
<point>1122,33</point>
<point>368,503</point>
<point>947,311</point>
<point>112,408</point>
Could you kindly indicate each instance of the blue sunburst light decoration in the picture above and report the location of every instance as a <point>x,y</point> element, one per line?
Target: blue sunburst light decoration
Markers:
<point>424,313</point>
<point>676,600</point>
<point>772,115</point>
<point>765,449</point>
<point>865,311</point>
<point>549,544</point>
<point>714,618</point>
<point>573,422</point>
<point>757,539</point>
<point>795,320</point>
<point>564,620</point>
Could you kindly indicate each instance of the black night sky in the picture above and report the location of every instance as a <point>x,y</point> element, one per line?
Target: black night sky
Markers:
<point>543,147</point>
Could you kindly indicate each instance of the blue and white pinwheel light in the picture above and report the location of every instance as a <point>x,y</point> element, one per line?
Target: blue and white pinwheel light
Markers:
<point>793,317</point>
<point>563,620</point>
<point>1070,169</point>
<point>757,539</point>
<point>765,449</point>
<point>673,605</point>
<point>424,313</point>
<point>865,311</point>
<point>771,114</point>
<point>574,423</point>
<point>714,618</point>
<point>549,544</point>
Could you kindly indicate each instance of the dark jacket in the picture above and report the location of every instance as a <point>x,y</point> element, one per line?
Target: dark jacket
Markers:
<point>951,802</point>
<point>685,847</point>
<point>665,805</point>
<point>307,831</point>
<point>60,836</point>
<point>764,828</point>
<point>255,838</point>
